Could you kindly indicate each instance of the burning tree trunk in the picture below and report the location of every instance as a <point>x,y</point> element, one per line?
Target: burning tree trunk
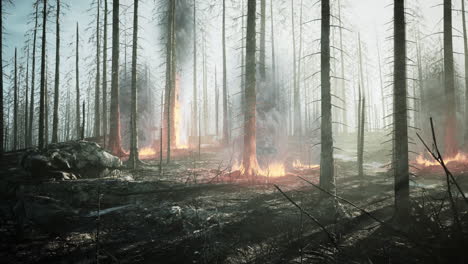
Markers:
<point>33,78</point>
<point>401,168</point>
<point>225,100</point>
<point>57,76</point>
<point>77,85</point>
<point>465,44</point>
<point>114,133</point>
<point>104,78</point>
<point>133,159</point>
<point>97,91</point>
<point>327,175</point>
<point>195,93</point>
<point>250,146</point>
<point>450,125</point>
<point>15,104</point>
<point>43,82</point>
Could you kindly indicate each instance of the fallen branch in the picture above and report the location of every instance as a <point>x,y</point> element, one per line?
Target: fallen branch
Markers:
<point>330,236</point>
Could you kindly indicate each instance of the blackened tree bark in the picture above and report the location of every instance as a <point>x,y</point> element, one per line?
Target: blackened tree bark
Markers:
<point>170,74</point>
<point>250,146</point>
<point>216,103</point>
<point>450,121</point>
<point>195,92</point>
<point>262,65</point>
<point>225,99</point>
<point>2,136</point>
<point>401,168</point>
<point>55,119</point>
<point>104,78</point>
<point>133,159</point>
<point>361,115</point>
<point>33,78</point>
<point>26,104</point>
<point>327,174</point>
<point>15,104</point>
<point>343,81</point>
<point>465,45</point>
<point>115,138</point>
<point>97,91</point>
<point>77,83</point>
<point>42,95</point>
<point>273,58</point>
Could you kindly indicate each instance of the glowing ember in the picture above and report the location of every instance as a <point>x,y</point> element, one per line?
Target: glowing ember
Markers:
<point>297,164</point>
<point>147,152</point>
<point>459,158</point>
<point>276,169</point>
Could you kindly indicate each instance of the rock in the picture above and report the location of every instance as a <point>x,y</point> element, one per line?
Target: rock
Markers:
<point>70,160</point>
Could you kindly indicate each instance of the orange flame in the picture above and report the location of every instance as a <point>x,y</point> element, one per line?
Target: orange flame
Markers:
<point>147,152</point>
<point>276,169</point>
<point>178,120</point>
<point>297,164</point>
<point>459,158</point>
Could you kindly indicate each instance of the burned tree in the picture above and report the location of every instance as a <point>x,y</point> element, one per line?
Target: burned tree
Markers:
<point>465,46</point>
<point>327,174</point>
<point>114,134</point>
<point>15,103</point>
<point>104,78</point>
<point>29,142</point>
<point>42,95</point>
<point>401,168</point>
<point>133,159</point>
<point>195,93</point>
<point>250,146</point>
<point>451,146</point>
<point>57,76</point>
<point>77,82</point>
<point>97,91</point>
<point>225,99</point>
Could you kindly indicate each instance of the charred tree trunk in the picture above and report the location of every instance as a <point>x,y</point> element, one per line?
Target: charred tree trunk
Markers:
<point>401,168</point>
<point>55,119</point>
<point>327,175</point>
<point>115,138</point>
<point>15,105</point>
<point>133,159</point>
<point>216,103</point>
<point>43,81</point>
<point>77,84</point>
<point>26,104</point>
<point>362,119</point>
<point>250,146</point>
<point>205,92</point>
<point>381,86</point>
<point>297,101</point>
<point>465,45</point>
<point>170,74</point>
<point>450,121</point>
<point>343,81</point>
<point>97,91</point>
<point>273,59</point>
<point>2,118</point>
<point>104,78</point>
<point>262,65</point>
<point>33,78</point>
<point>225,100</point>
<point>195,92</point>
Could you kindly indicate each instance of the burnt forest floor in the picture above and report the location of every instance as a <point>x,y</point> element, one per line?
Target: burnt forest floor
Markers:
<point>194,212</point>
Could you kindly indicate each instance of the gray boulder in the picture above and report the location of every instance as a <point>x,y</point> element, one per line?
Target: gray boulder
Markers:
<point>70,160</point>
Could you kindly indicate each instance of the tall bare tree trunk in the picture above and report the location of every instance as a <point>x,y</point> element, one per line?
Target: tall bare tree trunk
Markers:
<point>2,118</point>
<point>262,63</point>
<point>26,104</point>
<point>327,174</point>
<point>115,138</point>
<point>465,45</point>
<point>55,119</point>
<point>133,159</point>
<point>77,84</point>
<point>216,102</point>
<point>381,86</point>
<point>205,91</point>
<point>15,105</point>
<point>97,91</point>
<point>297,108</point>
<point>401,168</point>
<point>104,79</point>
<point>361,115</point>
<point>170,78</point>
<point>250,146</point>
<point>273,58</point>
<point>343,81</point>
<point>225,99</point>
<point>33,78</point>
<point>195,92</point>
<point>451,146</point>
<point>43,81</point>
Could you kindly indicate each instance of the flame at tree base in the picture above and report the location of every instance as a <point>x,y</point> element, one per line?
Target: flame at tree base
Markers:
<point>276,169</point>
